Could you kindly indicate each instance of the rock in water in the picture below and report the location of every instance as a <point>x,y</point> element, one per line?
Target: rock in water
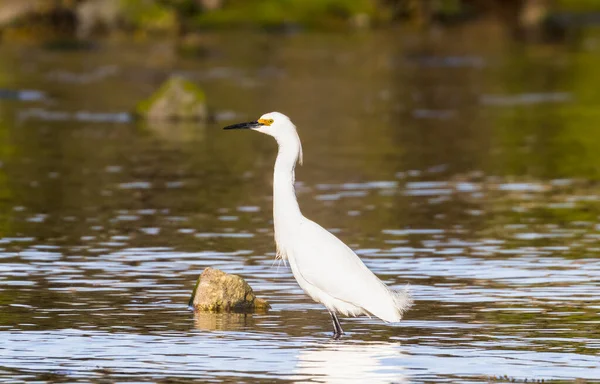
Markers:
<point>176,99</point>
<point>219,291</point>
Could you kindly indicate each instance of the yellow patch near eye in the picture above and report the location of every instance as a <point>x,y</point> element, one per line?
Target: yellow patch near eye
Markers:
<point>265,121</point>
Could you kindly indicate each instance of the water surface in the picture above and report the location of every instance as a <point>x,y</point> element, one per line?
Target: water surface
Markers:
<point>465,167</point>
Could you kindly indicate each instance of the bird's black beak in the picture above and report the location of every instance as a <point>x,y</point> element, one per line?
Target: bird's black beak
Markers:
<point>249,125</point>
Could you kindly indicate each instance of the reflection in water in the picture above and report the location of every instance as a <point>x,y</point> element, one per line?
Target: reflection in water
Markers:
<point>351,362</point>
<point>208,321</point>
<point>177,131</point>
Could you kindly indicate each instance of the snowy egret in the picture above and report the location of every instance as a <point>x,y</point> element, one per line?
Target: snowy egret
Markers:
<point>325,268</point>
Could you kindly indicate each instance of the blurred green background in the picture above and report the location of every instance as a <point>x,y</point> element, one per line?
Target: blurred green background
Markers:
<point>506,88</point>
<point>37,18</point>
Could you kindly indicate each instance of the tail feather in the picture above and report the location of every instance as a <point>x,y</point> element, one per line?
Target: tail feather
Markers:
<point>401,302</point>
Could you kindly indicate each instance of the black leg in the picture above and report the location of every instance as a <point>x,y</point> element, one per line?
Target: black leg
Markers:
<point>337,327</point>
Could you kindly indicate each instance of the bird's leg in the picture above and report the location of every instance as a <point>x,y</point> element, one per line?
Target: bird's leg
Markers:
<point>337,327</point>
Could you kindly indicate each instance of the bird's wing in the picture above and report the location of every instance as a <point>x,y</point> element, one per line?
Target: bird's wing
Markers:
<point>331,266</point>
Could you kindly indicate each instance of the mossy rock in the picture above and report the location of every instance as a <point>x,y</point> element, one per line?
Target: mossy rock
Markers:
<point>176,99</point>
<point>218,291</point>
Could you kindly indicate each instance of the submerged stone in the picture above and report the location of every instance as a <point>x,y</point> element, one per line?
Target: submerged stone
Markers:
<point>219,291</point>
<point>176,99</point>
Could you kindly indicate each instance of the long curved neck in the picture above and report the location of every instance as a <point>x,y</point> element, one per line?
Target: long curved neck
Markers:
<point>286,212</point>
<point>285,204</point>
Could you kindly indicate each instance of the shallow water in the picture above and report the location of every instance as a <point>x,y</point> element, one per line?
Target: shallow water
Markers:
<point>465,167</point>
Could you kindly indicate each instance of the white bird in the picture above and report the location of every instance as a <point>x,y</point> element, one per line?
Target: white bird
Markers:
<point>325,268</point>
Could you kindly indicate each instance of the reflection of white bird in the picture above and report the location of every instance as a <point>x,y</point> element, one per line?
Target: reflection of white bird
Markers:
<point>351,363</point>
<point>326,269</point>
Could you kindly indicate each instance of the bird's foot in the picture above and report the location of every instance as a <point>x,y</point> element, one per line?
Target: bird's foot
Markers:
<point>338,333</point>
<point>337,327</point>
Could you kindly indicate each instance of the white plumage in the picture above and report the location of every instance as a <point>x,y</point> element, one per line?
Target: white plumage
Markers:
<point>325,268</point>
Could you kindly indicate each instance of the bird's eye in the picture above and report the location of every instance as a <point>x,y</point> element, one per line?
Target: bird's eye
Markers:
<point>266,122</point>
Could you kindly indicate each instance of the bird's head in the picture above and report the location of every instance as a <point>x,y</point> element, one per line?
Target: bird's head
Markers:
<point>281,128</point>
<point>273,124</point>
